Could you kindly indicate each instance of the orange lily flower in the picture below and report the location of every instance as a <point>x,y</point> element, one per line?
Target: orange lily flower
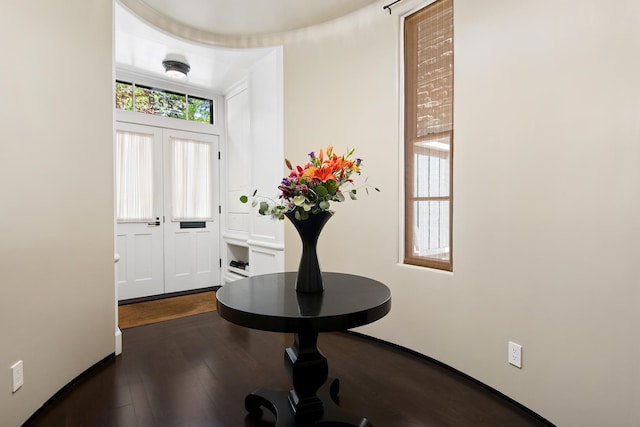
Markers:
<point>324,174</point>
<point>321,174</point>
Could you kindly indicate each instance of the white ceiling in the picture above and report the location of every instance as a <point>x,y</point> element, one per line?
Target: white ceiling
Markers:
<point>139,48</point>
<point>253,17</point>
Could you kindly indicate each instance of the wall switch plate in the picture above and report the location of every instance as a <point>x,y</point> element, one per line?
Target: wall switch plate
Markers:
<point>17,371</point>
<point>515,354</point>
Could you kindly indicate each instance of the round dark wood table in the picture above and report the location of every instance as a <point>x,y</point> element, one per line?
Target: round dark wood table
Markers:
<point>270,302</point>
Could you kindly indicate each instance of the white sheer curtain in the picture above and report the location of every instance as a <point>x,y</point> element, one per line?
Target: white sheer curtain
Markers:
<point>134,177</point>
<point>190,180</point>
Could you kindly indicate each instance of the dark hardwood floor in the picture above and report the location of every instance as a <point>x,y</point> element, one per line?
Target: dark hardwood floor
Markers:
<point>196,371</point>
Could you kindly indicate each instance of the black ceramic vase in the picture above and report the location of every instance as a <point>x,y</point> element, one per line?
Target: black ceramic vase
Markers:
<point>309,279</point>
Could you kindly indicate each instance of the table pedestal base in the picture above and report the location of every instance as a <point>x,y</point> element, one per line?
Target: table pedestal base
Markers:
<point>278,403</point>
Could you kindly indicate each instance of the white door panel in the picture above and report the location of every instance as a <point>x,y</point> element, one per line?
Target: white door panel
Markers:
<point>140,270</point>
<point>192,254</point>
<point>139,239</point>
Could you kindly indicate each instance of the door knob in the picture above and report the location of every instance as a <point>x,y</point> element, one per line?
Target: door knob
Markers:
<point>155,223</point>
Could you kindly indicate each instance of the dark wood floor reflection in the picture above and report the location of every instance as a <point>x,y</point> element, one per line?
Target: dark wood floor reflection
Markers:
<point>196,371</point>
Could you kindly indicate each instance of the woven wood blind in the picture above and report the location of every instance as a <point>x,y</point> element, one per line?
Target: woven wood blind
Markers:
<point>429,135</point>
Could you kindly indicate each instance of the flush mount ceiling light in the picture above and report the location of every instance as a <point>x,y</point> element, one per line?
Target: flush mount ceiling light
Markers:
<point>176,69</point>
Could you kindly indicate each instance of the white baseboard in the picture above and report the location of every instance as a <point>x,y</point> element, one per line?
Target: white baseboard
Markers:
<point>118,342</point>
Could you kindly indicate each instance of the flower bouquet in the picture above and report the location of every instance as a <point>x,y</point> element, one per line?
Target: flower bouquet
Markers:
<point>311,188</point>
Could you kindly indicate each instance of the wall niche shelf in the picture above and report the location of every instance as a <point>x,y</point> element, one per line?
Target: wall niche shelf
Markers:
<point>239,271</point>
<point>237,252</point>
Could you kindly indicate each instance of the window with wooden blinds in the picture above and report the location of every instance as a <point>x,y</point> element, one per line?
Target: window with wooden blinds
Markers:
<point>428,80</point>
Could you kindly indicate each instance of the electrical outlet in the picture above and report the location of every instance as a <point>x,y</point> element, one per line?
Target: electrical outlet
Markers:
<point>18,375</point>
<point>515,354</point>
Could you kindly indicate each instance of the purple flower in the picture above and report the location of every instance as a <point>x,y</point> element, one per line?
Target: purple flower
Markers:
<point>358,161</point>
<point>286,192</point>
<point>312,155</point>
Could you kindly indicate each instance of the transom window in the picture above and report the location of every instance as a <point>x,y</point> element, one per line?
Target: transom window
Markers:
<point>428,145</point>
<point>159,102</point>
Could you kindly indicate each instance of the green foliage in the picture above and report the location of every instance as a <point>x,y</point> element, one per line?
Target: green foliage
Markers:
<point>199,110</point>
<point>124,96</point>
<point>162,103</point>
<point>264,208</point>
<point>321,191</point>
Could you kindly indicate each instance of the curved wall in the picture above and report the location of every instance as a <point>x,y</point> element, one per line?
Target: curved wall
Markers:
<point>56,197</point>
<point>546,196</point>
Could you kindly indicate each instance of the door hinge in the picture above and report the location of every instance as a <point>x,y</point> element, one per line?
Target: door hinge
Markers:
<point>220,262</point>
<point>218,155</point>
<point>219,209</point>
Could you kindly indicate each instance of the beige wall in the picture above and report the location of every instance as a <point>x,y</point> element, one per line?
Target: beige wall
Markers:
<point>546,199</point>
<point>546,202</point>
<point>56,197</point>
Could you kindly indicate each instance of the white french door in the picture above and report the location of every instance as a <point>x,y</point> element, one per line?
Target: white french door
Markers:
<point>191,232</point>
<point>167,210</point>
<point>139,210</point>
